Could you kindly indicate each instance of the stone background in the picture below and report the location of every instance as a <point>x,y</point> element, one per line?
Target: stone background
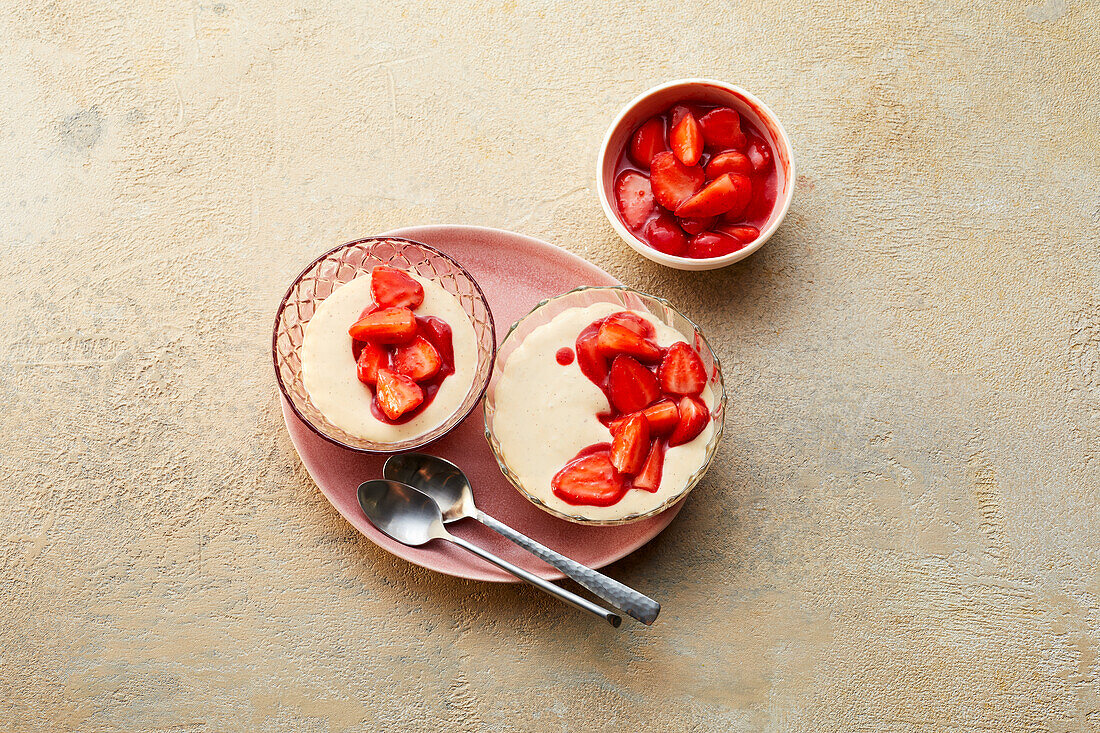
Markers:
<point>900,532</point>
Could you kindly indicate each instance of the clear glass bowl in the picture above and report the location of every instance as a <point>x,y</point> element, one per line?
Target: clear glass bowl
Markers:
<point>343,264</point>
<point>631,299</point>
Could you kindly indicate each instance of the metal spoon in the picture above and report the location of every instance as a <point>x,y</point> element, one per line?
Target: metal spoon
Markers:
<point>445,482</point>
<point>413,518</point>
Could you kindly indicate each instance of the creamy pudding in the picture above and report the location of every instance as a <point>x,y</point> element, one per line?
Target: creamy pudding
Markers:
<point>603,413</point>
<point>389,356</point>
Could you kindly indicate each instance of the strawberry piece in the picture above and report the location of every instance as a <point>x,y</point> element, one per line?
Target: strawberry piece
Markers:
<point>393,288</point>
<point>712,244</point>
<point>650,477</point>
<point>397,394</point>
<point>418,361</point>
<point>647,141</point>
<point>727,192</point>
<point>730,161</point>
<point>679,112</point>
<point>614,338</point>
<point>686,140</point>
<point>592,363</point>
<point>672,181</point>
<point>372,357</point>
<point>663,234</point>
<point>694,416</point>
<point>635,198</point>
<point>631,387</point>
<point>722,128</point>
<point>694,225</point>
<point>589,479</point>
<point>759,154</point>
<point>682,371</point>
<point>743,233</point>
<point>630,445</point>
<point>387,326</point>
<point>438,334</point>
<point>663,417</point>
<point>634,322</point>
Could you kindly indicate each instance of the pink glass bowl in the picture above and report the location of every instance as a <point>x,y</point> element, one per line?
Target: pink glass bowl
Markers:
<point>626,298</point>
<point>343,264</point>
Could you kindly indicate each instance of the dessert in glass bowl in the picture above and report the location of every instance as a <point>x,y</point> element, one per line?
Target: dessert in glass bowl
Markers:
<point>383,344</point>
<point>606,405</point>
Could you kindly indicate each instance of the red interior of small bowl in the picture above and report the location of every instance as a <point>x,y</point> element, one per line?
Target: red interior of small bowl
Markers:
<point>662,98</point>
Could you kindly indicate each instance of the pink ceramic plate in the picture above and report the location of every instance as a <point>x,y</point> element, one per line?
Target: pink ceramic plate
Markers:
<point>515,272</point>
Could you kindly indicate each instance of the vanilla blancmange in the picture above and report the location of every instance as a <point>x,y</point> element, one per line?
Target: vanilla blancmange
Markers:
<point>329,370</point>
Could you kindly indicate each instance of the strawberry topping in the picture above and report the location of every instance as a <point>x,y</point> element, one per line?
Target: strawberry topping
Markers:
<point>682,371</point>
<point>649,479</point>
<point>397,394</point>
<point>372,357</point>
<point>392,288</point>
<point>630,445</point>
<point>631,386</point>
<point>615,338</point>
<point>589,479</point>
<point>728,192</point>
<point>418,360</point>
<point>722,128</point>
<point>387,326</point>
<point>693,418</point>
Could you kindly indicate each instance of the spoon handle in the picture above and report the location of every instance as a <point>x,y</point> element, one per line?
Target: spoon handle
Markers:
<point>640,606</point>
<point>571,598</point>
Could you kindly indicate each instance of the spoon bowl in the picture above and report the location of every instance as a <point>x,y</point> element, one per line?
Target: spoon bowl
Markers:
<point>438,478</point>
<point>401,512</point>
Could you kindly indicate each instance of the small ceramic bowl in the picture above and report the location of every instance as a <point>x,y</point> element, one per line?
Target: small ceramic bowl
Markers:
<point>343,264</point>
<point>625,297</point>
<point>705,91</point>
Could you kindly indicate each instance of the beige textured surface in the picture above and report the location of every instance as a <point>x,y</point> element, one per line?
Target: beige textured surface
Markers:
<point>900,533</point>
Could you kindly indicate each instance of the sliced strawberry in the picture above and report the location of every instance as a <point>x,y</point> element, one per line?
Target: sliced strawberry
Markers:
<point>614,338</point>
<point>650,477</point>
<point>727,192</point>
<point>686,140</point>
<point>590,480</point>
<point>630,445</point>
<point>682,371</point>
<point>663,417</point>
<point>712,244</point>
<point>672,181</point>
<point>393,288</point>
<point>647,141</point>
<point>397,394</point>
<point>730,161</point>
<point>722,128</point>
<point>593,364</point>
<point>372,357</point>
<point>634,322</point>
<point>743,233</point>
<point>694,416</point>
<point>635,198</point>
<point>418,360</point>
<point>387,326</point>
<point>663,234</point>
<point>694,225</point>
<point>759,154</point>
<point>631,386</point>
<point>679,112</point>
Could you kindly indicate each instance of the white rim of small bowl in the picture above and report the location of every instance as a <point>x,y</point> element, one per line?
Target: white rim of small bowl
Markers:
<point>689,263</point>
<point>712,445</point>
